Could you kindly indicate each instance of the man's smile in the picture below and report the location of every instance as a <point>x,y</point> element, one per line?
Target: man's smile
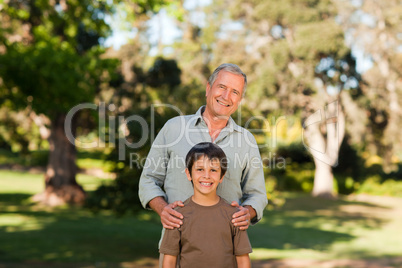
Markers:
<point>223,104</point>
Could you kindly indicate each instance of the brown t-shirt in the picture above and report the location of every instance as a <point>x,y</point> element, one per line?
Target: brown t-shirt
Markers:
<point>207,237</point>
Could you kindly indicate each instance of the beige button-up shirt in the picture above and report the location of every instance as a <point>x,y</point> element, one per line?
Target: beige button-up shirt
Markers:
<point>164,170</point>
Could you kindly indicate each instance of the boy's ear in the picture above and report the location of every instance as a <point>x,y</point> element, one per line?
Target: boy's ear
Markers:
<point>222,175</point>
<point>188,174</point>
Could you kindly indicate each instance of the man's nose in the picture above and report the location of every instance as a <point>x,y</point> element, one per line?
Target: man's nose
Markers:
<point>225,94</point>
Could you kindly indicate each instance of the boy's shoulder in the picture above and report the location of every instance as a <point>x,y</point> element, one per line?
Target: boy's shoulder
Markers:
<point>223,205</point>
<point>186,205</point>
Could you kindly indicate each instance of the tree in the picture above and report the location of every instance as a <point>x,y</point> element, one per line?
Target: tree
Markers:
<point>143,83</point>
<point>295,56</point>
<point>374,29</point>
<point>51,62</point>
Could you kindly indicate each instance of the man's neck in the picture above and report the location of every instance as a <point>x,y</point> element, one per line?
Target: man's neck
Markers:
<point>215,123</point>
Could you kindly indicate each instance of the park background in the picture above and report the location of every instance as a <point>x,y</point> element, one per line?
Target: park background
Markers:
<point>323,101</point>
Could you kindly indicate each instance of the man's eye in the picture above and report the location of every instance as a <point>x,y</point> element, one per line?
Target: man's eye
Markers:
<point>236,92</point>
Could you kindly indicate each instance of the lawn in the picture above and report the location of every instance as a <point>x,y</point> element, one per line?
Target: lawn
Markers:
<point>305,232</point>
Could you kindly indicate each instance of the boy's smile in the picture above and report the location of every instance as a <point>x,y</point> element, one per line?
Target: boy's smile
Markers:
<point>206,176</point>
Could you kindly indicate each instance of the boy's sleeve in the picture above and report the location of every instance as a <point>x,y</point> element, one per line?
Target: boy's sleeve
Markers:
<point>171,242</point>
<point>241,243</point>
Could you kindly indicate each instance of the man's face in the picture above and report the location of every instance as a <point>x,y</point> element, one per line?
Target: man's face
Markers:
<point>206,176</point>
<point>224,96</point>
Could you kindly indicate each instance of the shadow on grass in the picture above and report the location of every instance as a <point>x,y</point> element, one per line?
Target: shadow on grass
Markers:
<point>33,234</point>
<point>305,222</point>
<point>30,234</point>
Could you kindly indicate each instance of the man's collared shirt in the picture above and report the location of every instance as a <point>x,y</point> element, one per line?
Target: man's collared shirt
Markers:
<point>164,170</point>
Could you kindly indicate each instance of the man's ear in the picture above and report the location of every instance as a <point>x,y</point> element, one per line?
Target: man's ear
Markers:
<point>188,174</point>
<point>207,89</point>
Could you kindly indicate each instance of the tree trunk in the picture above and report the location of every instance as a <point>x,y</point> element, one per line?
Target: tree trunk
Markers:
<point>60,184</point>
<point>323,180</point>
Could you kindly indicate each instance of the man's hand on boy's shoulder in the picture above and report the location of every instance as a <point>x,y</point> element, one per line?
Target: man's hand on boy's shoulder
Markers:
<point>170,218</point>
<point>242,218</point>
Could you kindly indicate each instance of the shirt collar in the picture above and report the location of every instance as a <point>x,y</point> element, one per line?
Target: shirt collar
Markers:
<point>231,125</point>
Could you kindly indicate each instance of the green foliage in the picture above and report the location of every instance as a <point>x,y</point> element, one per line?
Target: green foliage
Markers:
<point>164,72</point>
<point>280,53</point>
<point>295,177</point>
<point>291,11</point>
<point>295,152</point>
<point>350,169</point>
<point>375,185</point>
<point>58,65</point>
<point>37,158</point>
<point>159,82</point>
<point>51,81</point>
<point>319,38</point>
<point>119,196</point>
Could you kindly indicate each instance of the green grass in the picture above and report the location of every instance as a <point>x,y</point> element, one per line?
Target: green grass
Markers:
<point>305,228</point>
<point>85,159</point>
<point>309,228</point>
<point>31,233</point>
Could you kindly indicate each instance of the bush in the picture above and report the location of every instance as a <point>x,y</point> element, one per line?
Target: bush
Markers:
<point>296,177</point>
<point>37,158</point>
<point>121,196</point>
<point>374,186</point>
<point>294,151</point>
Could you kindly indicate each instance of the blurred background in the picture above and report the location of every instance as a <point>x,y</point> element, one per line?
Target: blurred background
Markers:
<point>323,101</point>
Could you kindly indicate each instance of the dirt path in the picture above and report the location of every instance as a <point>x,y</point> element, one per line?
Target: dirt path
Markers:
<point>289,263</point>
<point>381,263</point>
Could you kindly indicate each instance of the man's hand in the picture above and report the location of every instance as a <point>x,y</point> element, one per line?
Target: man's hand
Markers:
<point>170,218</point>
<point>242,218</point>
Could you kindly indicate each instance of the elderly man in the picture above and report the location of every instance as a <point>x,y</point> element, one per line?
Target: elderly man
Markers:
<point>163,183</point>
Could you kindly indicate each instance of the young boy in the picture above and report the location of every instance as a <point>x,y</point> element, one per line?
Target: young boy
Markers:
<point>207,237</point>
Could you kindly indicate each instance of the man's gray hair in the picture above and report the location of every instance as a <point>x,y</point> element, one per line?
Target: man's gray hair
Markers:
<point>231,68</point>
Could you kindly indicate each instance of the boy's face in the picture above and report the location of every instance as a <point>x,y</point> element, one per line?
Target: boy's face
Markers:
<point>206,176</point>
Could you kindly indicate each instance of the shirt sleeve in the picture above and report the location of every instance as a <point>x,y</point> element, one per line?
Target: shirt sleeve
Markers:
<point>253,182</point>
<point>241,243</point>
<point>170,244</point>
<point>154,171</point>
